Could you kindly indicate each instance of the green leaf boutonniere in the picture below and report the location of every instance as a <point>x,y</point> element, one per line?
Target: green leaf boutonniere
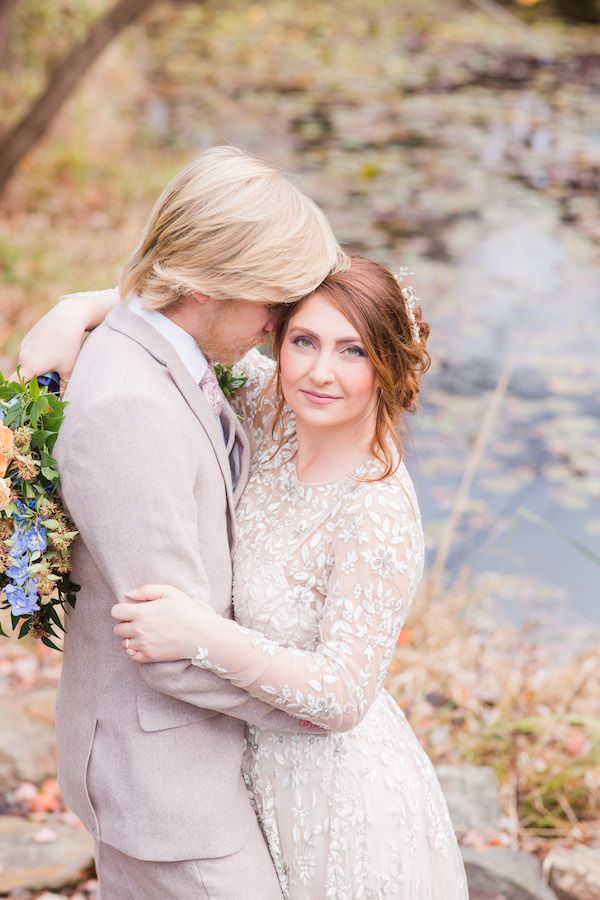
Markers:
<point>228,381</point>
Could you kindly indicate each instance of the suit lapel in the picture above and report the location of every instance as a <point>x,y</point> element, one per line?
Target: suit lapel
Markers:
<point>128,323</point>
<point>242,438</point>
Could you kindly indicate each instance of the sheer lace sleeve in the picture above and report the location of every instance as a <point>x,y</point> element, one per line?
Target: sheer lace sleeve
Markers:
<point>254,403</point>
<point>377,563</point>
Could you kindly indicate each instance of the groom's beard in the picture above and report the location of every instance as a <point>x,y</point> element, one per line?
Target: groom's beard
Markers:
<point>226,346</point>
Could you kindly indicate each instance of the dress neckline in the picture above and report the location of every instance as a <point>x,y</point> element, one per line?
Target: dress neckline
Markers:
<point>358,470</point>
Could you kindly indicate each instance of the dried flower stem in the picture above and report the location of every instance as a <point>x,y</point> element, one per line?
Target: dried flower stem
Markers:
<point>473,463</point>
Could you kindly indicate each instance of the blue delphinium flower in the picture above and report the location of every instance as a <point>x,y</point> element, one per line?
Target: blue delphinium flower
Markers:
<point>23,600</point>
<point>36,539</point>
<point>18,542</point>
<point>20,510</point>
<point>18,571</point>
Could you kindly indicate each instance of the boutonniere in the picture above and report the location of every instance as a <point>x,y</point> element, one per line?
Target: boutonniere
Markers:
<point>229,382</point>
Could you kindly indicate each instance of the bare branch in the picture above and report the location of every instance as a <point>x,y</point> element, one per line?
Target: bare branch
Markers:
<point>66,76</point>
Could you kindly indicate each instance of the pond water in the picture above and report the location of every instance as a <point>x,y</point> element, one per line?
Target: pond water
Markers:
<point>532,295</point>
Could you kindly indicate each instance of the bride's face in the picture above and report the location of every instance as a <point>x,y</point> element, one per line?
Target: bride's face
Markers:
<point>326,375</point>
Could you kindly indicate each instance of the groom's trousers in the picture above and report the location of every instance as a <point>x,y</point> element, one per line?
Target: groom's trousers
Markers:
<point>249,873</point>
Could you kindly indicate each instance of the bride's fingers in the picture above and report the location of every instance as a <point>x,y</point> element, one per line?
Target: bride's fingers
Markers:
<point>123,612</point>
<point>138,655</point>
<point>26,365</point>
<point>148,592</point>
<point>124,630</point>
<point>26,373</point>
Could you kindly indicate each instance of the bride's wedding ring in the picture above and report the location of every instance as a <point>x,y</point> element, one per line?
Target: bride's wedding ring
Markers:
<point>129,650</point>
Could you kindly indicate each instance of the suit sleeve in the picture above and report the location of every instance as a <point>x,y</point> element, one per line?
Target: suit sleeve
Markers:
<point>138,518</point>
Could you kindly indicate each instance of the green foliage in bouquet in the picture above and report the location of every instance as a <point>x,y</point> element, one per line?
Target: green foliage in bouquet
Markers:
<point>35,534</point>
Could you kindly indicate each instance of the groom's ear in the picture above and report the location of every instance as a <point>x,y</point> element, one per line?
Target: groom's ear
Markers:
<point>199,297</point>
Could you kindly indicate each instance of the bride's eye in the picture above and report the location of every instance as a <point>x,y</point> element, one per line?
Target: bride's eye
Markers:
<point>302,341</point>
<point>355,351</point>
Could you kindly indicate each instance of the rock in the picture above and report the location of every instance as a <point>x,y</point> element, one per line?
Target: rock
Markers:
<point>27,742</point>
<point>504,874</point>
<point>27,864</point>
<point>472,796</point>
<point>574,873</point>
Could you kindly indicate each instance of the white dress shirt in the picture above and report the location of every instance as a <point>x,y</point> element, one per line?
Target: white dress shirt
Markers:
<point>183,343</point>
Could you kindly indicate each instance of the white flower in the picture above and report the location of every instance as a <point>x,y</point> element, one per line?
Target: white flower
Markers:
<point>382,560</point>
<point>348,566</point>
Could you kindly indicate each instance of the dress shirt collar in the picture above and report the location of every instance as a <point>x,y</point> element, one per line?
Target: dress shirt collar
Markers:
<point>183,343</point>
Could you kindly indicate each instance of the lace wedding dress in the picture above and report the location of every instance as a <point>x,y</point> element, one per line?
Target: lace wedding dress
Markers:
<point>324,577</point>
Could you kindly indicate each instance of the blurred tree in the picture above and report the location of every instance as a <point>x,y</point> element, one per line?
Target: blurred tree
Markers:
<point>575,10</point>
<point>7,11</point>
<point>579,10</point>
<point>65,70</point>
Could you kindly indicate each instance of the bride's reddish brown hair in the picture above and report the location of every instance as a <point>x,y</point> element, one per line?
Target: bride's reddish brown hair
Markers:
<point>368,295</point>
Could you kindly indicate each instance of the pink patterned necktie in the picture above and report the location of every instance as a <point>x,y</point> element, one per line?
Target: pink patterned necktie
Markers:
<point>212,391</point>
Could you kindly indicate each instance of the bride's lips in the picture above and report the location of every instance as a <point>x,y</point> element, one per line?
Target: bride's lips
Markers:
<point>319,399</point>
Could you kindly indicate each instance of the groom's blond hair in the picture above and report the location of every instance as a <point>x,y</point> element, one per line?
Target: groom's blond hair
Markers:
<point>232,227</point>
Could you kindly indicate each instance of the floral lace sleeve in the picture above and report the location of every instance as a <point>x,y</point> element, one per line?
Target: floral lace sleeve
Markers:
<point>254,403</point>
<point>377,563</point>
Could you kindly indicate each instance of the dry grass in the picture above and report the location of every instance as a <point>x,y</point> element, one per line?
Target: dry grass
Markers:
<point>489,694</point>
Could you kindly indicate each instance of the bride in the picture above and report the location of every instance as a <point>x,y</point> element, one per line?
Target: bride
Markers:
<point>328,558</point>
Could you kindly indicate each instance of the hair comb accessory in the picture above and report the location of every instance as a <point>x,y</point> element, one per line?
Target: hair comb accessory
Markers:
<point>410,298</point>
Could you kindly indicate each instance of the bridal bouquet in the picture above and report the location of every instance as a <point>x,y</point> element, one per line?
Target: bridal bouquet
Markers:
<point>35,534</point>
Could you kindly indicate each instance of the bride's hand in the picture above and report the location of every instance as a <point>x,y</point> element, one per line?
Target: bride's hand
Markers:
<point>53,344</point>
<point>161,623</point>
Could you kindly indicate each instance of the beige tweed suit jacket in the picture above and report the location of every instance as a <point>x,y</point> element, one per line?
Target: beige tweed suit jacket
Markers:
<point>149,756</point>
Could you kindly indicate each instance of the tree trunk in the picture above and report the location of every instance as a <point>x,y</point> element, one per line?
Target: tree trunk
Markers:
<point>63,81</point>
<point>7,11</point>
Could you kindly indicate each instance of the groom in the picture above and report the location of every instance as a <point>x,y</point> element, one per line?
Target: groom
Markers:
<point>152,462</point>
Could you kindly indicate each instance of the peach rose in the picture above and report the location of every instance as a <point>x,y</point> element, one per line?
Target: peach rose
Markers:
<point>7,448</point>
<point>7,441</point>
<point>5,492</point>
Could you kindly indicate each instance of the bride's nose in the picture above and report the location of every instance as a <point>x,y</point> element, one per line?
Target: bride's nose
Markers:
<point>322,371</point>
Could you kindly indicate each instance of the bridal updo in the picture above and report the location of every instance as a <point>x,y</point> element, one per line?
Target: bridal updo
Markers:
<point>370,297</point>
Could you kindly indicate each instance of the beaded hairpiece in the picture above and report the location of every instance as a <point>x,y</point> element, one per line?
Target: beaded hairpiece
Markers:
<point>410,298</point>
